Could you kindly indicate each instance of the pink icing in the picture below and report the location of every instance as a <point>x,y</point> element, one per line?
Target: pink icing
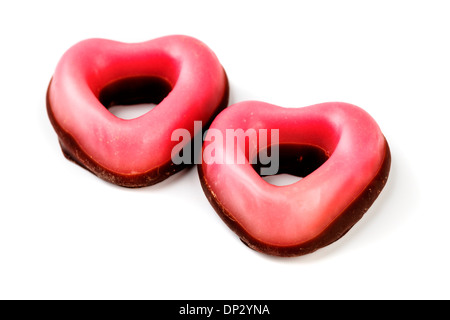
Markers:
<point>135,146</point>
<point>294,214</point>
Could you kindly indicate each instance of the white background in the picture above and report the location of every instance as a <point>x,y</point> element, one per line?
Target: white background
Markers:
<point>65,234</point>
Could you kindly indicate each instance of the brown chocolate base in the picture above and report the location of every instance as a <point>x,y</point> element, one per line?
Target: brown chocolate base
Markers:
<point>295,159</point>
<point>121,93</point>
<point>340,226</point>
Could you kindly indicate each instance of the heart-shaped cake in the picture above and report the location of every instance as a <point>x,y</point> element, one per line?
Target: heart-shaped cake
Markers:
<point>337,148</point>
<point>178,73</point>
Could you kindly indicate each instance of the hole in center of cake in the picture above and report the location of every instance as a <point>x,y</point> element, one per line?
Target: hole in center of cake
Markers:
<point>296,161</point>
<point>282,179</point>
<point>131,111</point>
<point>133,97</point>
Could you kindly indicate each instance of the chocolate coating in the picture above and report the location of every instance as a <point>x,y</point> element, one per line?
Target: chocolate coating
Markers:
<point>134,90</point>
<point>296,159</point>
<point>126,92</point>
<point>178,73</point>
<point>337,147</point>
<point>340,226</point>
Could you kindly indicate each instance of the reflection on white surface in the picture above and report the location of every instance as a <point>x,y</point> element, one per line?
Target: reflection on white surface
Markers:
<point>131,111</point>
<point>282,179</point>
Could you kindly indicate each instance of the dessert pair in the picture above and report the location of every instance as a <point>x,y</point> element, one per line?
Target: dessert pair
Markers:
<point>337,148</point>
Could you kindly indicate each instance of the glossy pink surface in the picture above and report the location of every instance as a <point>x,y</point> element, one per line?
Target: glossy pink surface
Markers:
<point>294,214</point>
<point>135,146</point>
